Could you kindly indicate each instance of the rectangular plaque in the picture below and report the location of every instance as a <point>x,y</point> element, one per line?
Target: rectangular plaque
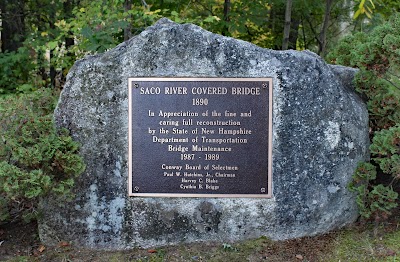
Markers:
<point>200,137</point>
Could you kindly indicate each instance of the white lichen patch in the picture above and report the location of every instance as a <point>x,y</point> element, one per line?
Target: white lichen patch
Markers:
<point>115,218</point>
<point>92,205</point>
<point>332,134</point>
<point>103,216</point>
<point>350,145</point>
<point>333,189</point>
<point>117,170</point>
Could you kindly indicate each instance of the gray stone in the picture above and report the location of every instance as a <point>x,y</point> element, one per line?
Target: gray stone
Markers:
<point>320,133</point>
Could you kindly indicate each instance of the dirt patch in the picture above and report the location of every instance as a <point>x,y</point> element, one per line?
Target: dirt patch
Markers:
<point>20,240</point>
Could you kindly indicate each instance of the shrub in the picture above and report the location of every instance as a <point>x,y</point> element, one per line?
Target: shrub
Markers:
<point>374,201</point>
<point>19,72</point>
<point>35,159</point>
<point>377,56</point>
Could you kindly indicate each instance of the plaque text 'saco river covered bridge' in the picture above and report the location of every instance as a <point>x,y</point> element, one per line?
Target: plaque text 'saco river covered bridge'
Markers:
<point>191,136</point>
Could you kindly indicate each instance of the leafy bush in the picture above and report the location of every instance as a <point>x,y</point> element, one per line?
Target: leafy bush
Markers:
<point>35,158</point>
<point>374,201</point>
<point>377,55</point>
<point>18,72</point>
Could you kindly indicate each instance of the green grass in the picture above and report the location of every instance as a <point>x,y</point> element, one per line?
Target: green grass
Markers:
<point>351,245</point>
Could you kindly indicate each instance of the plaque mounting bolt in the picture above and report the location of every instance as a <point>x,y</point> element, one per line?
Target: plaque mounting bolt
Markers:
<point>263,190</point>
<point>265,85</point>
<point>136,85</point>
<point>136,188</point>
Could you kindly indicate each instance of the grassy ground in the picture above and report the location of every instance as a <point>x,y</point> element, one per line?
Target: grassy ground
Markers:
<point>356,243</point>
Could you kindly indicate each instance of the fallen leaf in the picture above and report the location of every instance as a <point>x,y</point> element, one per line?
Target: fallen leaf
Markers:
<point>391,253</point>
<point>63,244</point>
<point>151,251</point>
<point>41,248</point>
<point>299,257</point>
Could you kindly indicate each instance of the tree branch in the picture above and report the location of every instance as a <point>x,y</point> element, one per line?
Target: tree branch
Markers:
<point>391,83</point>
<point>145,4</point>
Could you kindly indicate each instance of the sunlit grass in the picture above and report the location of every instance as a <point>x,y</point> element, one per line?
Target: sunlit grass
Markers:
<point>351,245</point>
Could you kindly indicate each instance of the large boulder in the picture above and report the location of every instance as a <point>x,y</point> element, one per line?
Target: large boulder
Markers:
<point>320,133</point>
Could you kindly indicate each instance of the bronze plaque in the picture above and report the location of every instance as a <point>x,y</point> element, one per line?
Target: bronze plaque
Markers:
<point>200,137</point>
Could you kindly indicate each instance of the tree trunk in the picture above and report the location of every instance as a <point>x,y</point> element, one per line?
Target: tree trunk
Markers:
<point>2,7</point>
<point>68,6</point>
<point>53,73</point>
<point>303,33</point>
<point>324,30</point>
<point>286,30</point>
<point>13,25</point>
<point>294,32</point>
<point>128,28</point>
<point>69,40</point>
<point>227,9</point>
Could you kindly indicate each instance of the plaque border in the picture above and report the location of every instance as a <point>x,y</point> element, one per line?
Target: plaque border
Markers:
<point>194,79</point>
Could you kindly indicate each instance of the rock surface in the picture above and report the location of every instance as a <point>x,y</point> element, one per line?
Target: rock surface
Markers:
<point>320,133</point>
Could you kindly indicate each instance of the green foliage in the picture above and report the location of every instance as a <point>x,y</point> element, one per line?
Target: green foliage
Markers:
<point>377,56</point>
<point>371,8</point>
<point>35,159</point>
<point>98,27</point>
<point>386,150</point>
<point>18,72</point>
<point>57,33</point>
<point>374,201</point>
<point>247,22</point>
<point>365,7</point>
<point>101,27</point>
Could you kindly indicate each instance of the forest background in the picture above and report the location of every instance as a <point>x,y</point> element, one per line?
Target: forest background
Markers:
<point>41,39</point>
